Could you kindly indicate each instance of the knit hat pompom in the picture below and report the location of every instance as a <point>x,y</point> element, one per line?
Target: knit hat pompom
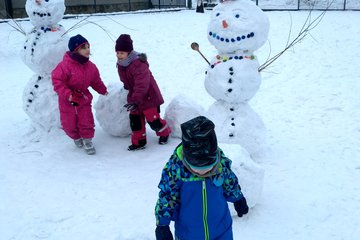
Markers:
<point>76,41</point>
<point>124,43</point>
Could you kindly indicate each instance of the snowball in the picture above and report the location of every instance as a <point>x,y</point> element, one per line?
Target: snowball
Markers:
<point>180,110</point>
<point>110,112</point>
<point>249,173</point>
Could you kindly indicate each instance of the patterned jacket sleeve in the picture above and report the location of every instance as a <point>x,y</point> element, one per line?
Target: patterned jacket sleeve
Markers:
<point>232,189</point>
<point>168,201</point>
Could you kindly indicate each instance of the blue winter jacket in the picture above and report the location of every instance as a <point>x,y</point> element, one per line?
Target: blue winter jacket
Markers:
<point>198,205</point>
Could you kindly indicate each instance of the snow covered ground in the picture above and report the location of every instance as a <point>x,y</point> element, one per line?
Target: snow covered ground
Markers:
<point>309,102</point>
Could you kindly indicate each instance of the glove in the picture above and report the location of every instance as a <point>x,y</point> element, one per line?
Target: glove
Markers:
<point>130,106</point>
<point>241,207</point>
<point>163,233</point>
<point>75,98</point>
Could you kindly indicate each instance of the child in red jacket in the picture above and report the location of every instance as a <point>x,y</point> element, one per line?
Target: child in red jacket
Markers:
<point>144,97</point>
<point>71,79</point>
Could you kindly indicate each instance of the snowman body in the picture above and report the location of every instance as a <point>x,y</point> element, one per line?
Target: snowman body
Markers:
<point>233,77</point>
<point>43,49</point>
<point>237,28</point>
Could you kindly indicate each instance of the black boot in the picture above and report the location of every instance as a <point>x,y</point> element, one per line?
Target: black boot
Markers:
<point>134,147</point>
<point>163,140</point>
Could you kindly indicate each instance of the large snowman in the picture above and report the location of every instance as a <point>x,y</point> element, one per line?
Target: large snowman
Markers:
<point>236,29</point>
<point>44,48</point>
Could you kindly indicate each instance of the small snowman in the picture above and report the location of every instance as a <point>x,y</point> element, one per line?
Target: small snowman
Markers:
<point>237,28</point>
<point>44,48</point>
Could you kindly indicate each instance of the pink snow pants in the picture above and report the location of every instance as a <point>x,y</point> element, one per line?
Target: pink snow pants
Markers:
<point>78,122</point>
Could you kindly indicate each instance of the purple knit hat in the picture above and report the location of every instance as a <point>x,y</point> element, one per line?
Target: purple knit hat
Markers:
<point>76,41</point>
<point>124,43</point>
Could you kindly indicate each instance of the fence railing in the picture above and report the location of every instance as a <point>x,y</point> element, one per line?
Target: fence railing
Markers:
<point>308,4</point>
<point>15,8</point>
<point>278,5</point>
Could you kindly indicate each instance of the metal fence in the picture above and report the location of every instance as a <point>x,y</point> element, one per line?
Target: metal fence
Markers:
<point>295,5</point>
<point>308,4</point>
<point>15,8</point>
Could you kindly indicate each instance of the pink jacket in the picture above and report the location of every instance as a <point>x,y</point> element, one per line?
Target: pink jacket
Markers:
<point>138,79</point>
<point>69,76</point>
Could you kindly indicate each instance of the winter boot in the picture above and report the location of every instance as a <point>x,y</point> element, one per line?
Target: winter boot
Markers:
<point>163,140</point>
<point>79,142</point>
<point>89,146</point>
<point>134,147</point>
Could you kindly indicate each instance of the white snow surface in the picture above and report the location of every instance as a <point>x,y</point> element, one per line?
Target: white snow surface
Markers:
<point>308,100</point>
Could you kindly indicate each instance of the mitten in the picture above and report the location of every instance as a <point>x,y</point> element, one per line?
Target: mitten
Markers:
<point>163,233</point>
<point>241,207</point>
<point>130,106</point>
<point>75,98</point>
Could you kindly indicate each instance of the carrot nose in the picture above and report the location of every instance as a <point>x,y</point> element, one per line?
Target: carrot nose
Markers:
<point>38,2</point>
<point>225,24</point>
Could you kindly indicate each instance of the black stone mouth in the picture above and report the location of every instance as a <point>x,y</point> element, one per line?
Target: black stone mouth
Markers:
<point>233,39</point>
<point>41,14</point>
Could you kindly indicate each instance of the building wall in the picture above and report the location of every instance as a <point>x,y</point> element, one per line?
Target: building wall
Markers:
<point>84,6</point>
<point>2,9</point>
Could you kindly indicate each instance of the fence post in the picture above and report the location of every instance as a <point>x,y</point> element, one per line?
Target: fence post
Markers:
<point>298,4</point>
<point>189,3</point>
<point>9,9</point>
<point>344,4</point>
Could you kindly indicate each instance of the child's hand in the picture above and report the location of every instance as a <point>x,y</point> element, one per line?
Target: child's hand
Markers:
<point>241,207</point>
<point>131,106</point>
<point>75,98</point>
<point>163,233</point>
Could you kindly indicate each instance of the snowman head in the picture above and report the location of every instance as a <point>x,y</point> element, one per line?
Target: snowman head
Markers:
<point>45,12</point>
<point>237,25</point>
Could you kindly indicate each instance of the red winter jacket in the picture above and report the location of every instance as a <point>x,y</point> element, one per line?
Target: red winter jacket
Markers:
<point>70,75</point>
<point>138,79</point>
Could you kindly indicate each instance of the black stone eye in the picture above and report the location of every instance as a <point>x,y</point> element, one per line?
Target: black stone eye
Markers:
<point>218,14</point>
<point>46,0</point>
<point>237,15</point>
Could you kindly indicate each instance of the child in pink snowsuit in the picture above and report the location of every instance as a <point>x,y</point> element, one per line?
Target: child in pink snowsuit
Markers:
<point>71,79</point>
<point>144,97</point>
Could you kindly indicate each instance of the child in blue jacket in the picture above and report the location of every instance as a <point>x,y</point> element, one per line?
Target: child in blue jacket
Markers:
<point>195,186</point>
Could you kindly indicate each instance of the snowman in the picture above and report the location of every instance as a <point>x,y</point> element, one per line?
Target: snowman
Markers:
<point>236,29</point>
<point>44,48</point>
